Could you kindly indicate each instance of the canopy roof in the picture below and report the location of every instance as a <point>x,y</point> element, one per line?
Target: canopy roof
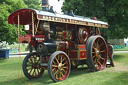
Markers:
<point>26,18</point>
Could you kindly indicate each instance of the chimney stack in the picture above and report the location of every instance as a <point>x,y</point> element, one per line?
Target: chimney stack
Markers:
<point>45,5</point>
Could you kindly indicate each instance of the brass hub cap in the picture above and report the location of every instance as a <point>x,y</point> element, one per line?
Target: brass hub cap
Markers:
<point>97,52</point>
<point>60,66</point>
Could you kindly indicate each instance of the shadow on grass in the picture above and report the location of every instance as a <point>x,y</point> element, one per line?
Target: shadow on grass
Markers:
<point>44,80</point>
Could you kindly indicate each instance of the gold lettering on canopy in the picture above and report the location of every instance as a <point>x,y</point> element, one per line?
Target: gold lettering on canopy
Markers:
<point>70,21</point>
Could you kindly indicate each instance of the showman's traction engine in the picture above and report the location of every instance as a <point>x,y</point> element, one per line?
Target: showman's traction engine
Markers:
<point>62,42</point>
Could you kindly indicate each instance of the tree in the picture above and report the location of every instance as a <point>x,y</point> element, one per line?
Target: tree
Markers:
<point>7,31</point>
<point>34,4</point>
<point>115,12</point>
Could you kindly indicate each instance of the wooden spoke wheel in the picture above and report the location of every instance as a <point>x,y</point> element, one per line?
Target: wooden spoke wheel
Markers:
<point>31,66</point>
<point>58,66</point>
<point>96,53</point>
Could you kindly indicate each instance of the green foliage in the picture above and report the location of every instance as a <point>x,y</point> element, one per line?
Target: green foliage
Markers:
<point>7,31</point>
<point>34,4</point>
<point>115,12</point>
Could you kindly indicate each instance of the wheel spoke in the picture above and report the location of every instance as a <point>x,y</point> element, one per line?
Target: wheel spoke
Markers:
<point>95,60</point>
<point>38,60</point>
<point>63,70</point>
<point>53,62</point>
<point>100,45</point>
<point>33,72</point>
<point>53,69</point>
<point>102,51</point>
<point>31,60</point>
<point>99,63</point>
<point>28,65</point>
<point>61,58</point>
<point>38,71</point>
<point>96,63</point>
<point>93,52</point>
<point>64,67</point>
<point>98,40</point>
<point>94,56</point>
<point>30,71</point>
<point>101,58</point>
<point>97,45</point>
<point>34,58</point>
<point>54,66</point>
<point>61,73</point>
<point>57,60</point>
<point>93,47</point>
<point>55,73</point>
<point>63,64</point>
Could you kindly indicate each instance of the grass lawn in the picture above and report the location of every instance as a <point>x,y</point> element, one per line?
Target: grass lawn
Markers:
<point>117,75</point>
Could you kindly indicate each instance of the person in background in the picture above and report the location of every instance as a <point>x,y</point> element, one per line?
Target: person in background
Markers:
<point>111,49</point>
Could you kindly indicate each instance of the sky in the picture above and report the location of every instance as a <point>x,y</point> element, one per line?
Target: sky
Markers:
<point>56,5</point>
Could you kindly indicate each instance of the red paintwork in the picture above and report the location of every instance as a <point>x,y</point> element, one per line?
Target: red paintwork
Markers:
<point>73,54</point>
<point>25,16</point>
<point>83,54</point>
<point>25,39</point>
<point>65,35</point>
<point>70,45</point>
<point>61,46</point>
<point>68,35</point>
<point>80,46</point>
<point>47,58</point>
<point>77,54</point>
<point>30,39</point>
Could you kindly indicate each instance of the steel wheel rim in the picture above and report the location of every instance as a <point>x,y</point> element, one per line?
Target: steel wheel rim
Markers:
<point>99,53</point>
<point>60,67</point>
<point>33,67</point>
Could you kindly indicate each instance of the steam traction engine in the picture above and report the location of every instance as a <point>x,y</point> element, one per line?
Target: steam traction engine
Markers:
<point>61,41</point>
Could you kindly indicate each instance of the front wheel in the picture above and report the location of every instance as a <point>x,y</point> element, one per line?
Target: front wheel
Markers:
<point>31,66</point>
<point>59,66</point>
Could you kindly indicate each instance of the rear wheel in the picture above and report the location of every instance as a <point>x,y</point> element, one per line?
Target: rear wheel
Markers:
<point>96,53</point>
<point>31,66</point>
<point>58,66</point>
